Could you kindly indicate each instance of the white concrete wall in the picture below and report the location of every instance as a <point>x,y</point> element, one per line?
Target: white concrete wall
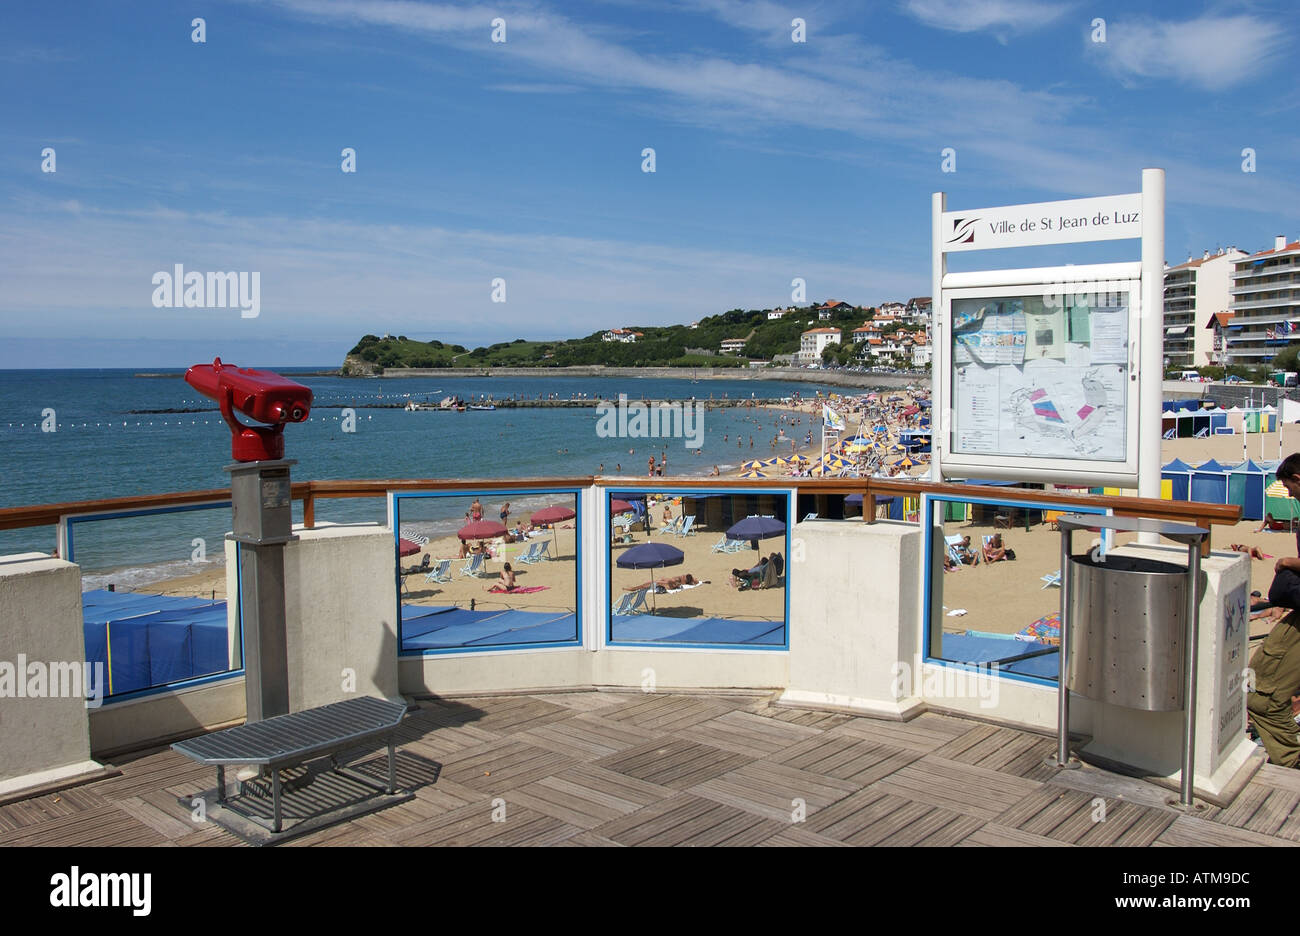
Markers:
<point>41,739</point>
<point>340,613</point>
<point>854,615</point>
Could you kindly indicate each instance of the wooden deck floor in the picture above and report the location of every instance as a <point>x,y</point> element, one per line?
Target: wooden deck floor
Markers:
<point>597,768</point>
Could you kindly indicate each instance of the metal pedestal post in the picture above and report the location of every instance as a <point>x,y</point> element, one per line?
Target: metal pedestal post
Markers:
<point>1062,756</point>
<point>1190,642</point>
<point>262,524</point>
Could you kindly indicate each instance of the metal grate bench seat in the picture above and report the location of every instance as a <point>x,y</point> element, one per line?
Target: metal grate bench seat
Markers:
<point>290,740</point>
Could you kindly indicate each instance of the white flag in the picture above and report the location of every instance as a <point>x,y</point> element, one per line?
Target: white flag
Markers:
<point>832,419</point>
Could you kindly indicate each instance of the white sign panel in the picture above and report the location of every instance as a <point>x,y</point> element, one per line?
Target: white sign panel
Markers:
<point>1109,217</point>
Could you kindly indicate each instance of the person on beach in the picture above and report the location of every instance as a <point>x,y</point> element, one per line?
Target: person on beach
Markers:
<point>651,463</point>
<point>505,513</point>
<point>464,550</point>
<point>506,581</point>
<point>1276,664</point>
<point>476,510</point>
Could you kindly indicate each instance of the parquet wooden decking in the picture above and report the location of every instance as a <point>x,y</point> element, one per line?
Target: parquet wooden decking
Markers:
<point>608,769</point>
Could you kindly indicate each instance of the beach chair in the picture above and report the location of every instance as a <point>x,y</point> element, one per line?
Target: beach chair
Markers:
<point>672,527</point>
<point>543,551</point>
<point>416,569</point>
<point>1170,434</point>
<point>623,522</point>
<point>441,573</point>
<point>531,555</point>
<point>632,602</point>
<point>954,548</point>
<point>1202,433</point>
<point>811,516</point>
<point>1050,579</point>
<point>735,546</point>
<point>721,545</point>
<point>685,529</point>
<point>473,565</point>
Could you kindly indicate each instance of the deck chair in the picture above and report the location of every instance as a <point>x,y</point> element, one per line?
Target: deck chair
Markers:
<point>441,572</point>
<point>531,555</point>
<point>422,567</point>
<point>686,527</point>
<point>1051,578</point>
<point>1170,434</point>
<point>673,527</point>
<point>623,522</point>
<point>811,516</point>
<point>543,551</point>
<point>1203,433</point>
<point>473,565</point>
<point>721,545</point>
<point>632,602</point>
<point>735,546</point>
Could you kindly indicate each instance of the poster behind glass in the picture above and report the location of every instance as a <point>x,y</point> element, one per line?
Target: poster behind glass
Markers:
<point>1041,376</point>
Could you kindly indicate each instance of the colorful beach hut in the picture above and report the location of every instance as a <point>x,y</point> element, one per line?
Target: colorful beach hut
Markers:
<point>1179,474</point>
<point>1246,490</point>
<point>1209,483</point>
<point>1236,420</point>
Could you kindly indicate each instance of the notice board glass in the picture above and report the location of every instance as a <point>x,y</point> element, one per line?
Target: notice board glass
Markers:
<point>1038,373</point>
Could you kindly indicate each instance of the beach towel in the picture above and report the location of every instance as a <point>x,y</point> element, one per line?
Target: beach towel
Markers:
<point>518,589</point>
<point>1047,629</point>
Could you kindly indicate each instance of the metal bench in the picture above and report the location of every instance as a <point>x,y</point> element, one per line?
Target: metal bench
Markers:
<point>289,740</point>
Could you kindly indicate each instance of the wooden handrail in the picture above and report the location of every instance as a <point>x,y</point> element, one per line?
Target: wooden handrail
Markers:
<point>869,488</point>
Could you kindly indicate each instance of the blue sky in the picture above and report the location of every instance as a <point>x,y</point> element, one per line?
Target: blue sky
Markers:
<point>522,159</point>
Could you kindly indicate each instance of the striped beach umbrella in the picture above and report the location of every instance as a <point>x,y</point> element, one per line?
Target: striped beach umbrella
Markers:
<point>752,474</point>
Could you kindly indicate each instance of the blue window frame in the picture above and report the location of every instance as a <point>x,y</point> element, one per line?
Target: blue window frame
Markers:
<point>160,642</point>
<point>640,629</point>
<point>433,630</point>
<point>978,650</point>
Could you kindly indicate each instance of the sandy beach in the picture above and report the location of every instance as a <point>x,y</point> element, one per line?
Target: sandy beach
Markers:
<point>1001,597</point>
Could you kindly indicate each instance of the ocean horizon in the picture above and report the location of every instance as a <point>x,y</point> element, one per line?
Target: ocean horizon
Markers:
<point>77,434</point>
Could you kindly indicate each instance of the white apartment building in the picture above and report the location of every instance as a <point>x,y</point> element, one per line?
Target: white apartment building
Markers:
<point>814,341</point>
<point>776,314</point>
<point>733,345</point>
<point>1194,292</point>
<point>1265,302</point>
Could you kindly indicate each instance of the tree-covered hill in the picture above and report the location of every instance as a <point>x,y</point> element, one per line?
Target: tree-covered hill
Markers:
<point>656,346</point>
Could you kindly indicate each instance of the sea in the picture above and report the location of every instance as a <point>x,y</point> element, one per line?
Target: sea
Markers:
<point>115,434</point>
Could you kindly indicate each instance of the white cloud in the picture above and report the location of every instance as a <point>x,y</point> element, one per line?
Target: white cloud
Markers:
<point>1213,52</point>
<point>978,15</point>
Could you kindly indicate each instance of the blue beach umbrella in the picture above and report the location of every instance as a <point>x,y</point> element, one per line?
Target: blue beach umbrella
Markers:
<point>650,556</point>
<point>756,528</point>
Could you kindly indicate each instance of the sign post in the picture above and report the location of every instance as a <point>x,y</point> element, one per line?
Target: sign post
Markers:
<point>1038,372</point>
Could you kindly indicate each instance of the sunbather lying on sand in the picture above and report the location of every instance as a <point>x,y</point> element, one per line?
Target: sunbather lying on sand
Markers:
<point>1253,551</point>
<point>668,584</point>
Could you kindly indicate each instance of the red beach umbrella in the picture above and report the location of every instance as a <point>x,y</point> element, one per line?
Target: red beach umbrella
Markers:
<point>481,529</point>
<point>617,507</point>
<point>406,547</point>
<point>552,515</point>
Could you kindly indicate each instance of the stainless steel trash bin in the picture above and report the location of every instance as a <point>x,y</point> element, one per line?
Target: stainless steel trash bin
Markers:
<point>1127,623</point>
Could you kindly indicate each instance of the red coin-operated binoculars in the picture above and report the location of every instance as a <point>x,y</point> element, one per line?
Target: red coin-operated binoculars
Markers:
<point>262,516</point>
<point>260,395</point>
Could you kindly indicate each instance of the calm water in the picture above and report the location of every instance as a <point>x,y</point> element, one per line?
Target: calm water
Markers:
<point>103,449</point>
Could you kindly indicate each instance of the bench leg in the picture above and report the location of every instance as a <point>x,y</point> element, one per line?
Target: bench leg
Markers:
<point>275,799</point>
<point>221,783</point>
<point>392,771</point>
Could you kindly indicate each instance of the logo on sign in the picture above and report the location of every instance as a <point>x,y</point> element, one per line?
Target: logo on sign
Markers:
<point>963,230</point>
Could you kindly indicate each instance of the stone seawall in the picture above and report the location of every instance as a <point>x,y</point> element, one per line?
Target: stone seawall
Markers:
<point>833,378</point>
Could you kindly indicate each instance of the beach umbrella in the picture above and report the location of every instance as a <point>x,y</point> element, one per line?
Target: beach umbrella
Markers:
<point>756,528</point>
<point>800,459</point>
<point>905,462</point>
<point>650,556</point>
<point>750,465</point>
<point>617,507</point>
<point>552,515</point>
<point>406,547</point>
<point>481,529</point>
<point>752,474</point>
